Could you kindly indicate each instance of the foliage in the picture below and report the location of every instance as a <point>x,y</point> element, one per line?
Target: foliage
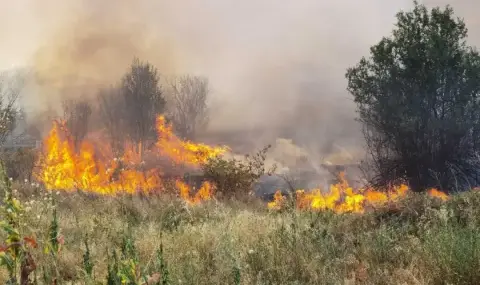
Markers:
<point>15,253</point>
<point>418,99</point>
<point>52,247</point>
<point>236,177</point>
<point>87,261</point>
<point>128,270</point>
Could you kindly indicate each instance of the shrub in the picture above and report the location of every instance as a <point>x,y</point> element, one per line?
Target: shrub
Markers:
<point>19,164</point>
<point>417,97</point>
<point>234,177</point>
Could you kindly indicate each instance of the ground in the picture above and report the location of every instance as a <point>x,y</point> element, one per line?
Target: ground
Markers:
<point>419,240</point>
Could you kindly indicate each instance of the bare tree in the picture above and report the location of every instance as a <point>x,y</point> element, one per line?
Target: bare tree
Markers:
<point>76,113</point>
<point>188,108</point>
<point>112,115</point>
<point>144,101</point>
<point>11,85</point>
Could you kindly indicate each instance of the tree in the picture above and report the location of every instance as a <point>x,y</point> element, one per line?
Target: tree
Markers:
<point>418,97</point>
<point>76,113</point>
<point>11,85</point>
<point>144,101</point>
<point>112,115</point>
<point>188,106</point>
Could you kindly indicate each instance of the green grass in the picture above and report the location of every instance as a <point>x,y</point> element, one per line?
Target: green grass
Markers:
<point>420,241</point>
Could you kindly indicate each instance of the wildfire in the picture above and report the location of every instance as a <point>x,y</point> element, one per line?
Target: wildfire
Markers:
<point>205,192</point>
<point>183,151</point>
<point>93,167</point>
<point>438,194</point>
<point>342,198</point>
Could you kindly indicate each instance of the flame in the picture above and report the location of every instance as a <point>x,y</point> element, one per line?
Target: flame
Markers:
<point>278,201</point>
<point>205,193</point>
<point>438,194</point>
<point>183,151</point>
<point>93,167</point>
<point>342,198</point>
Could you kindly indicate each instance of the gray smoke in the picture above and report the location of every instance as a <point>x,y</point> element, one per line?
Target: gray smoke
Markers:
<point>276,67</point>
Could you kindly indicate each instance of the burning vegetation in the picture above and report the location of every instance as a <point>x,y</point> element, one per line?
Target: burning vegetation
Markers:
<point>344,199</point>
<point>418,101</point>
<point>94,168</point>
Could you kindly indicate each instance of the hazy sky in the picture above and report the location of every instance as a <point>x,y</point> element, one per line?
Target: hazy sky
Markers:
<point>270,62</point>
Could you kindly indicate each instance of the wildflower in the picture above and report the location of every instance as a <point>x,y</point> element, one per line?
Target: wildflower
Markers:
<point>11,179</point>
<point>38,217</point>
<point>251,251</point>
<point>26,181</point>
<point>9,210</point>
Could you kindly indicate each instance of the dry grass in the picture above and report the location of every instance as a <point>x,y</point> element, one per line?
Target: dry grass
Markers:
<point>421,241</point>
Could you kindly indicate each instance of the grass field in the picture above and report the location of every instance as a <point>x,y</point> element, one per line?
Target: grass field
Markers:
<point>160,240</point>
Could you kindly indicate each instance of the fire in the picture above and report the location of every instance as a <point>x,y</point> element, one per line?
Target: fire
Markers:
<point>183,151</point>
<point>205,192</point>
<point>93,167</point>
<point>438,194</point>
<point>342,198</point>
<point>278,201</point>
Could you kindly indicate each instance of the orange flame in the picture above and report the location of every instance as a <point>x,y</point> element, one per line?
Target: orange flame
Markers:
<point>438,194</point>
<point>205,193</point>
<point>89,169</point>
<point>183,151</point>
<point>342,198</point>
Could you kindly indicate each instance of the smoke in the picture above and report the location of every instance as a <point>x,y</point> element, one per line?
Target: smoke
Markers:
<point>277,66</point>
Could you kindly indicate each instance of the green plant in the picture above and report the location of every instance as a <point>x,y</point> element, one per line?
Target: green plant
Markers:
<point>52,248</point>
<point>55,240</point>
<point>232,176</point>
<point>14,253</point>
<point>129,270</point>
<point>236,275</point>
<point>112,271</point>
<point>162,267</point>
<point>87,261</point>
<point>417,100</point>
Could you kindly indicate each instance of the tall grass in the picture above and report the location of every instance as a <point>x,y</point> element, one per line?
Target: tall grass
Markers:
<point>160,240</point>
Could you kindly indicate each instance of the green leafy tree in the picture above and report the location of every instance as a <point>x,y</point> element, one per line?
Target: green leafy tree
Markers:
<point>418,98</point>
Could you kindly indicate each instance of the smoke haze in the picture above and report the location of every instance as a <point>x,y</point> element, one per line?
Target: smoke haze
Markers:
<point>273,65</point>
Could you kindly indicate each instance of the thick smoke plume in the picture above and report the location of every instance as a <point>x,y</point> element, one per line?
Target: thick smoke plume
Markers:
<point>276,68</point>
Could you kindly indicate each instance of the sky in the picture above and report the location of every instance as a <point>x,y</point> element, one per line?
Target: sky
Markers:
<point>272,64</point>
